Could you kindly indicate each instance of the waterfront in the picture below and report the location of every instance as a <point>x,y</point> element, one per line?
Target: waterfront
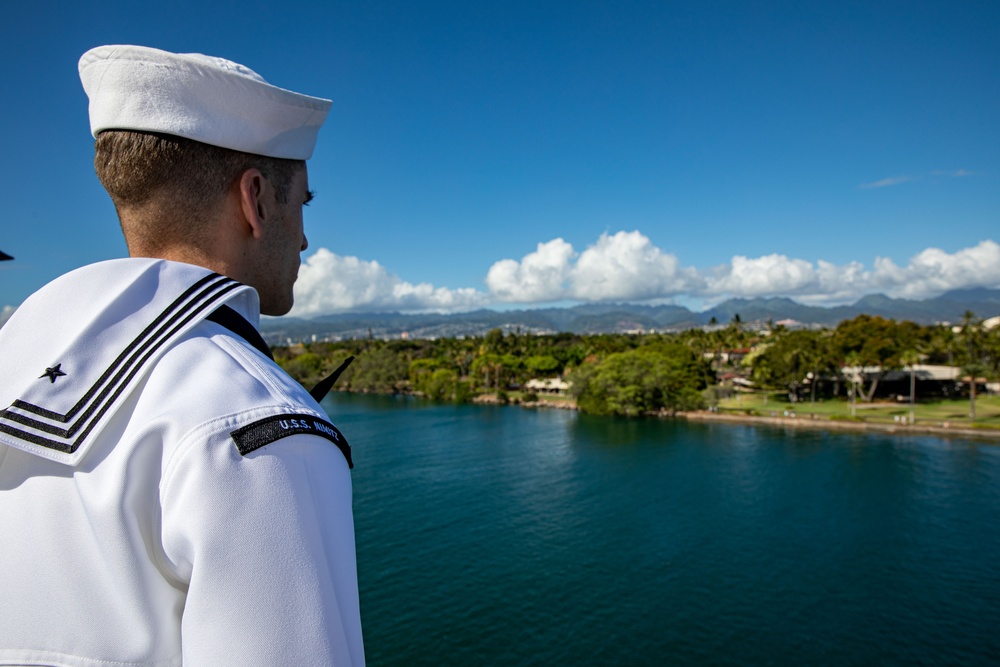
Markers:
<point>501,536</point>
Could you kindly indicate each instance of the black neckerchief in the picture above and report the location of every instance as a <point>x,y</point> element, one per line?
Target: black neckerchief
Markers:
<point>228,318</point>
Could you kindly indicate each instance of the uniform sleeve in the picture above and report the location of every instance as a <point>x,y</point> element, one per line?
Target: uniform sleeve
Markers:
<point>265,544</point>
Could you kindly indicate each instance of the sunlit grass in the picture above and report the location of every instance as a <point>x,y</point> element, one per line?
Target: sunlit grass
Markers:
<point>954,412</point>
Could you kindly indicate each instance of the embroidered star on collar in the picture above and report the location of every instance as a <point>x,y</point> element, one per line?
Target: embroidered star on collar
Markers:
<point>52,373</point>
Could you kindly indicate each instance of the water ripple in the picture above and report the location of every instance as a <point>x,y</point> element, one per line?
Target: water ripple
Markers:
<point>503,536</point>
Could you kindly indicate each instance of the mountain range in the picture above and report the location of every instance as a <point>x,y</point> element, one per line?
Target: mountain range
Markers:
<point>624,317</point>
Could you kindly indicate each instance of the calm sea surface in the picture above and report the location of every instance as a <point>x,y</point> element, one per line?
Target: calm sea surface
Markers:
<point>503,536</point>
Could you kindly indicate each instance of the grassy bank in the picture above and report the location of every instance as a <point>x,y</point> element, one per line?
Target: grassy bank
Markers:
<point>945,413</point>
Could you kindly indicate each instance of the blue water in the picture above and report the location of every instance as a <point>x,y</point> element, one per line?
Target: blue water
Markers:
<point>503,536</point>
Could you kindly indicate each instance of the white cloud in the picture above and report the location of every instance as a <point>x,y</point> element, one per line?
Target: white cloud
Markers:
<point>838,284</point>
<point>934,271</point>
<point>954,173</point>
<point>885,182</point>
<point>896,180</point>
<point>627,266</point>
<point>928,274</point>
<point>762,276</point>
<point>539,276</point>
<point>330,283</point>
<point>778,275</point>
<point>623,266</point>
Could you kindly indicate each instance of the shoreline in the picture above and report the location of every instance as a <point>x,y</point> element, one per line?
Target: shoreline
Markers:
<point>705,416</point>
<point>836,425</point>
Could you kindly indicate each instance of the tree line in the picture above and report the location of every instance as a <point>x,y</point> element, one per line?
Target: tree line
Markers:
<point>632,374</point>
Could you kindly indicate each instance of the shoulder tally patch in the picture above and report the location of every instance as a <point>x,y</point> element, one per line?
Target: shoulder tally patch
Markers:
<point>265,431</point>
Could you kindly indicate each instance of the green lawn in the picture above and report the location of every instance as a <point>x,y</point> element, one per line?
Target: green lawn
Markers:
<point>954,412</point>
<point>550,398</point>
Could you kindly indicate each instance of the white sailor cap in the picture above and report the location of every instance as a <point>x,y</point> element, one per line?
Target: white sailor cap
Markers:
<point>204,98</point>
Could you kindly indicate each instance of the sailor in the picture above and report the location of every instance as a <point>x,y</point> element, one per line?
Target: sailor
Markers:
<point>168,495</point>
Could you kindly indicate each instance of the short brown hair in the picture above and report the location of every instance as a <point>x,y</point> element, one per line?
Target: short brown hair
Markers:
<point>183,179</point>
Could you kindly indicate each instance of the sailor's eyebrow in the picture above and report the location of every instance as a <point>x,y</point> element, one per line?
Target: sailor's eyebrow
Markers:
<point>310,195</point>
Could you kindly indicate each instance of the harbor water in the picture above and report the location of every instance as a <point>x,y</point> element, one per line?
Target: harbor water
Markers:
<point>492,535</point>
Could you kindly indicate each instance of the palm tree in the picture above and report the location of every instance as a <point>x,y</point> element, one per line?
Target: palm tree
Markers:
<point>970,352</point>
<point>909,358</point>
<point>854,361</point>
<point>940,346</point>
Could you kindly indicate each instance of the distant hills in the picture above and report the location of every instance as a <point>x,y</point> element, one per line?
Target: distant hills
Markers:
<point>623,317</point>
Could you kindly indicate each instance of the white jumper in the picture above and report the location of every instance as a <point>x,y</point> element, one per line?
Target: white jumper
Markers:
<point>135,532</point>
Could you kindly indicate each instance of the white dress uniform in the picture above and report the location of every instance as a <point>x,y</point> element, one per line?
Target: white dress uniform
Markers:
<point>168,495</point>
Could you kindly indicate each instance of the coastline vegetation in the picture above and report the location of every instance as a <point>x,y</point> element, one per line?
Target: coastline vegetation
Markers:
<point>846,372</point>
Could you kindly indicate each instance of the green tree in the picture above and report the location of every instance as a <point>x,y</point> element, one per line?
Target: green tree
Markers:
<point>761,372</point>
<point>645,380</point>
<point>700,343</point>
<point>991,345</point>
<point>795,359</point>
<point>971,354</point>
<point>542,365</point>
<point>379,370</point>
<point>493,342</point>
<point>305,368</point>
<point>440,384</point>
<point>940,345</point>
<point>853,361</point>
<point>420,368</point>
<point>910,358</point>
<point>876,343</point>
<point>511,369</point>
<point>488,366</point>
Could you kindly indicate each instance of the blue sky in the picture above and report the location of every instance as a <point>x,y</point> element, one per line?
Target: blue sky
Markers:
<point>515,154</point>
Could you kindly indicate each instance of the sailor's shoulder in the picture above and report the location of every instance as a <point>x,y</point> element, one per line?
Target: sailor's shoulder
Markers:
<point>212,367</point>
<point>218,397</point>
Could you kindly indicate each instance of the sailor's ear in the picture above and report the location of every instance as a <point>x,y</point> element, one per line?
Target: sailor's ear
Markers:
<point>253,203</point>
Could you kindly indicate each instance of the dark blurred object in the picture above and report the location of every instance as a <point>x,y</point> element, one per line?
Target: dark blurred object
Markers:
<point>4,256</point>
